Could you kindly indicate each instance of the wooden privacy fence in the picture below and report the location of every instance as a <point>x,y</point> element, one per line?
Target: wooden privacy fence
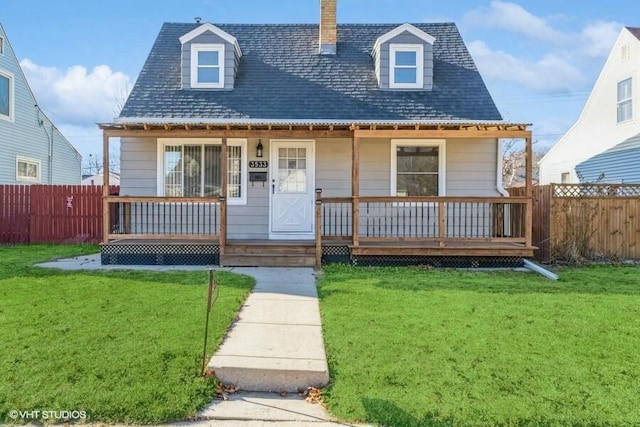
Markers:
<point>573,221</point>
<point>51,213</point>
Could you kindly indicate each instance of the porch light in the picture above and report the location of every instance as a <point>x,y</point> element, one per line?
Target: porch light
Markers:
<point>259,149</point>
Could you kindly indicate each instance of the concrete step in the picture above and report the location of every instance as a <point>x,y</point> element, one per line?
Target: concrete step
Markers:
<point>276,343</point>
<point>267,260</point>
<point>272,358</point>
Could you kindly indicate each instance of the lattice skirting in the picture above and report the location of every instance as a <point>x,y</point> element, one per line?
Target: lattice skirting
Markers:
<point>438,261</point>
<point>160,254</point>
<point>336,255</point>
<point>342,255</point>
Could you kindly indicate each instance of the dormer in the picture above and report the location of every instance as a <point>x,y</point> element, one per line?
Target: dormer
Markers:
<point>210,58</point>
<point>404,59</point>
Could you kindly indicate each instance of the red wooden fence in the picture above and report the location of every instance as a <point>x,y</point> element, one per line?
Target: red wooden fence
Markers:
<point>51,213</point>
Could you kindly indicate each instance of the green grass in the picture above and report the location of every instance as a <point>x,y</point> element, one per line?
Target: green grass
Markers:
<point>123,346</point>
<point>412,347</point>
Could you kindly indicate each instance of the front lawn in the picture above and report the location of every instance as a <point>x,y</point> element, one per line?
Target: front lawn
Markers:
<point>121,346</point>
<point>415,347</point>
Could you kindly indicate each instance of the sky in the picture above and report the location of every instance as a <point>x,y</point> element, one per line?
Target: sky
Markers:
<point>539,58</point>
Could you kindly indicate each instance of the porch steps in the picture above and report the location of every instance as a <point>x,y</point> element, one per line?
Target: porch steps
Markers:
<point>268,255</point>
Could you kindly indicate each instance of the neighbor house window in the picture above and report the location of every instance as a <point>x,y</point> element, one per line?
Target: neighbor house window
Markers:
<point>417,168</point>
<point>6,96</point>
<point>195,170</point>
<point>406,66</point>
<point>565,178</point>
<point>625,111</point>
<point>1,46</point>
<point>207,66</point>
<point>27,169</point>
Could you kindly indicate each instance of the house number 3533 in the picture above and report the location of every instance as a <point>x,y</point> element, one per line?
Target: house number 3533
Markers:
<point>258,164</point>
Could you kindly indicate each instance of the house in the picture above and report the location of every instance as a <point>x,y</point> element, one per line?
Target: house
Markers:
<point>617,165</point>
<point>98,179</point>
<point>32,149</point>
<point>296,144</point>
<point>609,117</point>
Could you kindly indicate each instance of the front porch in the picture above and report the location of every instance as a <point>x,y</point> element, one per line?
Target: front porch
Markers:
<point>436,231</point>
<point>362,229</point>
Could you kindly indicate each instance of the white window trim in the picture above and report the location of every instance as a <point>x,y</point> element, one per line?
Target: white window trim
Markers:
<point>419,50</point>
<point>1,45</point>
<point>629,100</point>
<point>231,142</point>
<point>198,47</point>
<point>11,96</point>
<point>440,143</point>
<point>32,161</point>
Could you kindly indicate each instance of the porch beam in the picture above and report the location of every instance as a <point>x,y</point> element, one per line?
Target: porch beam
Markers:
<point>233,133</point>
<point>105,188</point>
<point>435,133</point>
<point>355,187</point>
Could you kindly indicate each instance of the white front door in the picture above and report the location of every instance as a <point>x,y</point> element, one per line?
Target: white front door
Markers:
<point>292,189</point>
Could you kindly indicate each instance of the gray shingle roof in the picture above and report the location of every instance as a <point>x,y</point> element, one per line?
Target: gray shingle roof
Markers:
<point>635,31</point>
<point>281,76</point>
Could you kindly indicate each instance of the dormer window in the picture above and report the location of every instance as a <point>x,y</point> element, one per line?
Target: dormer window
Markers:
<point>406,66</point>
<point>403,59</point>
<point>207,66</point>
<point>210,58</point>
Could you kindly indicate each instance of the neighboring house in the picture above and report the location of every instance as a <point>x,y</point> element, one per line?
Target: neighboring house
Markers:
<point>98,179</point>
<point>350,142</point>
<point>32,149</point>
<point>610,116</point>
<point>618,165</point>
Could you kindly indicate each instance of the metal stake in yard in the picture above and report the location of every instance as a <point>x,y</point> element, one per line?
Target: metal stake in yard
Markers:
<point>212,287</point>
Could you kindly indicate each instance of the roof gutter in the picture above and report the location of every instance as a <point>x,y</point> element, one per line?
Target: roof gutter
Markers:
<point>304,122</point>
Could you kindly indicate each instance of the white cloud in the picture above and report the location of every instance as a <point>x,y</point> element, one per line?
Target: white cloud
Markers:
<point>597,39</point>
<point>77,96</point>
<point>514,18</point>
<point>551,73</point>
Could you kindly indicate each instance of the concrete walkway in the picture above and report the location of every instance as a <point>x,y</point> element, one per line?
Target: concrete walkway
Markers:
<point>276,343</point>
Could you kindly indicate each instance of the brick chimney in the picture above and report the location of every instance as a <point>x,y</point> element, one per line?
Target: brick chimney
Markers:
<point>328,27</point>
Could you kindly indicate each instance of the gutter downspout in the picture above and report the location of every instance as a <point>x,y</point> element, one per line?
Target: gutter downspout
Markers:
<point>50,141</point>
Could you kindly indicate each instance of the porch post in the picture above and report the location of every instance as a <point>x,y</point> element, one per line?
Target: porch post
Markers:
<point>105,188</point>
<point>223,197</point>
<point>318,227</point>
<point>529,191</point>
<point>355,187</point>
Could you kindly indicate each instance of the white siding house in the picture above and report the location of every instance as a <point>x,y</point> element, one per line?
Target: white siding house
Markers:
<point>610,116</point>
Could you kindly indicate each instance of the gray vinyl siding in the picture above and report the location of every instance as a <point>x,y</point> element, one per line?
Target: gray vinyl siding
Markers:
<point>138,167</point>
<point>375,167</point>
<point>470,171</point>
<point>231,60</point>
<point>28,134</point>
<point>333,167</point>
<point>251,221</point>
<point>471,167</point>
<point>382,62</point>
<point>617,165</point>
<point>66,161</point>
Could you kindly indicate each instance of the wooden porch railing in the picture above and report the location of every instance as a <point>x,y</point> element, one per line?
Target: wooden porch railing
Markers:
<point>428,219</point>
<point>166,218</point>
